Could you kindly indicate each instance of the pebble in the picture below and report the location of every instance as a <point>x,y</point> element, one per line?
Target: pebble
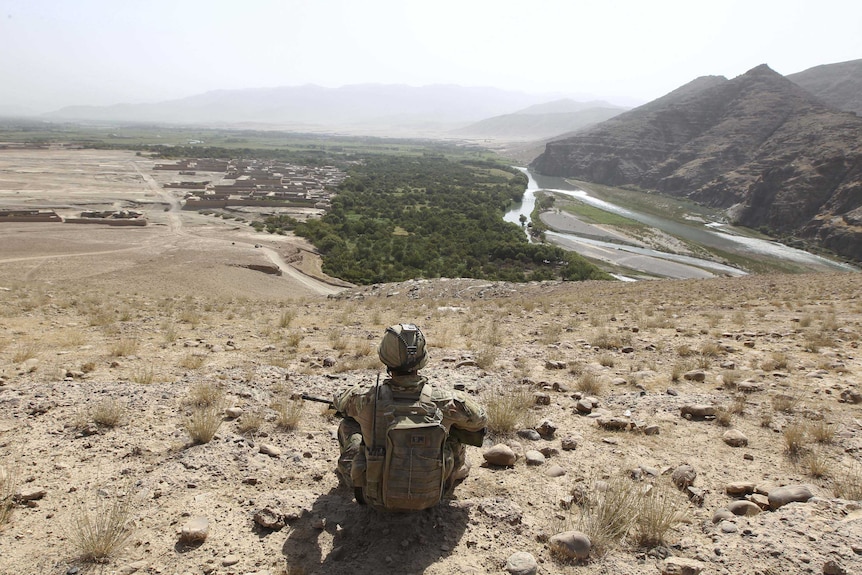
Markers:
<point>522,563</point>
<point>233,412</point>
<point>230,560</point>
<point>727,526</point>
<point>501,455</point>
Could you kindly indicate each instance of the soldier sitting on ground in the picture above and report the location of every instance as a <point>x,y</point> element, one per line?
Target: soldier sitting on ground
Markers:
<point>402,439</point>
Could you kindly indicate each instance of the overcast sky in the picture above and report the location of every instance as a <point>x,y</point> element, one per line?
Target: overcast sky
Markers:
<point>55,53</point>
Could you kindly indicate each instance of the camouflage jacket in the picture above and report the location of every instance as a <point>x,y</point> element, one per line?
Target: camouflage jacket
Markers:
<point>458,409</point>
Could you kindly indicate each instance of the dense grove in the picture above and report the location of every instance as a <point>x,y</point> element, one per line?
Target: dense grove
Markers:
<point>401,217</point>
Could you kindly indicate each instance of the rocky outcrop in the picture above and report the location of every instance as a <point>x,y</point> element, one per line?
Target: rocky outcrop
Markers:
<point>759,146</point>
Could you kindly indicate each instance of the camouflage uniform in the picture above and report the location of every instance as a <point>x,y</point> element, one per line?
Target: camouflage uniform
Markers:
<point>357,406</point>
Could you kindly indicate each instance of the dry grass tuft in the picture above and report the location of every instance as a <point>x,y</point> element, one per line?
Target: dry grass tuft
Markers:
<point>848,483</point>
<point>192,360</point>
<point>99,529</point>
<point>123,347</point>
<point>206,394</point>
<point>821,431</point>
<point>508,409</point>
<point>203,423</point>
<point>250,422</point>
<point>144,375</point>
<point>658,510</point>
<point>288,412</point>
<point>108,413</point>
<point>784,403</point>
<point>606,512</point>
<point>817,463</point>
<point>24,351</point>
<point>8,485</point>
<point>723,416</point>
<point>590,383</point>
<point>794,440</point>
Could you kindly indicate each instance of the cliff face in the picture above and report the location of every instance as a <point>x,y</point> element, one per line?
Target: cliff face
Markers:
<point>758,144</point>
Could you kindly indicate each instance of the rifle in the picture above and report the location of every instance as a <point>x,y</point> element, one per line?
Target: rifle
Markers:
<point>328,402</point>
<point>317,399</point>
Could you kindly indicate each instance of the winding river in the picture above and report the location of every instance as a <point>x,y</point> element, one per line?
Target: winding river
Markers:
<point>655,262</point>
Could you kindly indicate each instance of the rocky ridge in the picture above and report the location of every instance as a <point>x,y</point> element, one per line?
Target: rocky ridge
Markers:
<point>770,153</point>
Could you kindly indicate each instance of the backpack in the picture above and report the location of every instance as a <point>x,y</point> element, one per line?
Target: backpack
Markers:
<point>405,464</point>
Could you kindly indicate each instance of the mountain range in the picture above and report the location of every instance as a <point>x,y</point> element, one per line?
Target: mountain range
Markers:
<point>773,154</point>
<point>366,108</point>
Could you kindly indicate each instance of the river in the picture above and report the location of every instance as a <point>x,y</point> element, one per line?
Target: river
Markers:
<point>654,262</point>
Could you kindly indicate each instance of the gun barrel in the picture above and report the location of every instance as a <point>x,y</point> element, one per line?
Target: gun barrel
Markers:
<point>317,399</point>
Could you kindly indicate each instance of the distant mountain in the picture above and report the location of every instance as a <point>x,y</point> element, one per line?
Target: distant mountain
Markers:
<point>839,85</point>
<point>759,145</point>
<point>375,105</point>
<point>541,121</point>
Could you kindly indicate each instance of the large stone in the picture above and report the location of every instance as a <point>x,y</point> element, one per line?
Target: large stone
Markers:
<point>522,563</point>
<point>789,494</point>
<point>546,429</point>
<point>613,423</point>
<point>683,476</point>
<point>195,530</point>
<point>734,438</point>
<point>571,545</point>
<point>534,457</point>
<point>501,455</point>
<point>681,566</point>
<point>739,488</point>
<point>695,375</point>
<point>697,411</point>
<point>744,508</point>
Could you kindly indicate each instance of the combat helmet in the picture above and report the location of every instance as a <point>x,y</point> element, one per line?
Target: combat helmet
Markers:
<point>403,348</point>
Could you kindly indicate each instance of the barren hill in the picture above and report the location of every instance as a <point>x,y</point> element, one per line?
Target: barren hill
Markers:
<point>839,85</point>
<point>759,145</point>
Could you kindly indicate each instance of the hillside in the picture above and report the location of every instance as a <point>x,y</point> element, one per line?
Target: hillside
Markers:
<point>758,146</point>
<point>839,85</point>
<point>541,122</point>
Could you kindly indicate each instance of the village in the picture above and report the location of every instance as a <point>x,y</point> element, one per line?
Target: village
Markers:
<point>256,183</point>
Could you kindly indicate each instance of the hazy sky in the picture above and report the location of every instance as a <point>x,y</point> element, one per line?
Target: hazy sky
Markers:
<point>55,53</point>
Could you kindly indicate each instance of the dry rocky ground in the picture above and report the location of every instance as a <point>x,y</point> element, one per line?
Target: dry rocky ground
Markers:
<point>104,360</point>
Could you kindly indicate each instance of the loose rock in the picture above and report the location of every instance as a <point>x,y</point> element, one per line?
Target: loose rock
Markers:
<point>681,566</point>
<point>195,530</point>
<point>743,508</point>
<point>501,455</point>
<point>522,563</point>
<point>571,545</point>
<point>788,494</point>
<point>735,438</point>
<point>683,476</point>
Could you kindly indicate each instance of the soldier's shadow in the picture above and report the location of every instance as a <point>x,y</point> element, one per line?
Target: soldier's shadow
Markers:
<point>340,536</point>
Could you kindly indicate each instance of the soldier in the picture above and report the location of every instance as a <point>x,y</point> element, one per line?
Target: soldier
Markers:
<point>405,418</point>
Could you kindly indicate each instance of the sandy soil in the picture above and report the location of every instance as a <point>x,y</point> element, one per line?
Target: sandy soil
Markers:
<point>143,319</point>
